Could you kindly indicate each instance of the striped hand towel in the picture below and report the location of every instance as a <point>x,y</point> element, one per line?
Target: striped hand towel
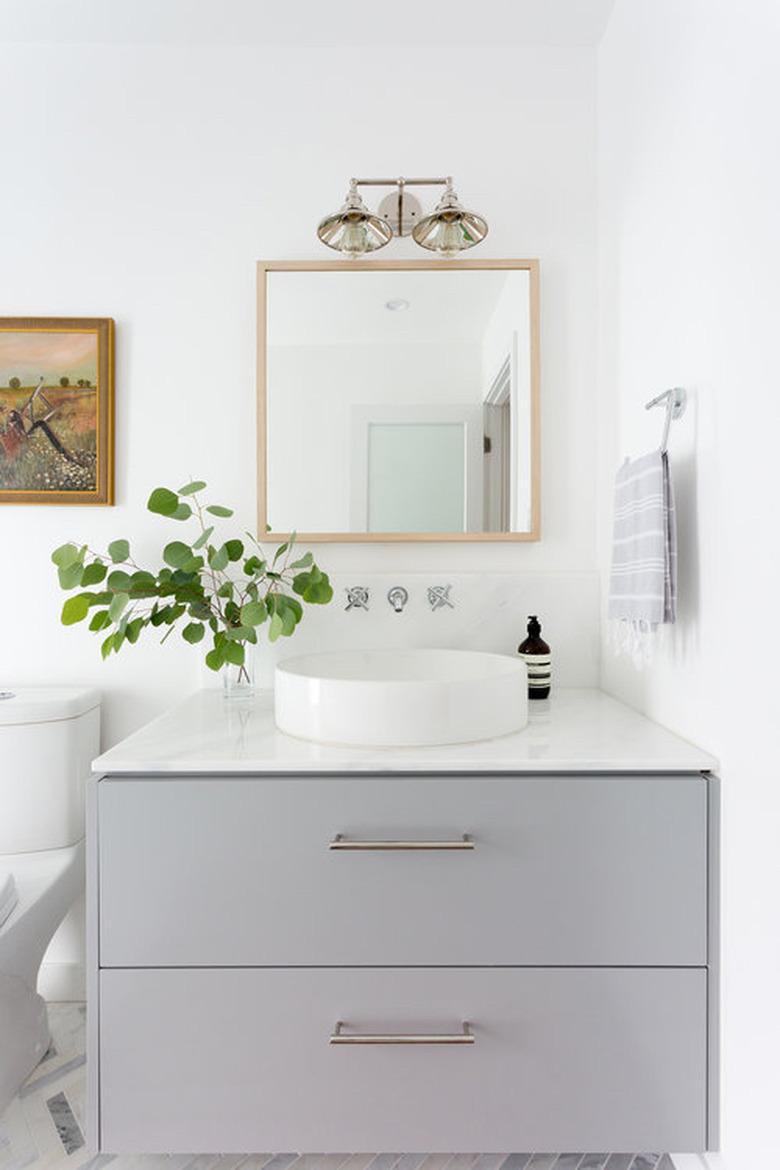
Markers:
<point>643,584</point>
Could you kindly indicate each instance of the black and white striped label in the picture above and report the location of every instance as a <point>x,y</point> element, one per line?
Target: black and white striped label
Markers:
<point>539,670</point>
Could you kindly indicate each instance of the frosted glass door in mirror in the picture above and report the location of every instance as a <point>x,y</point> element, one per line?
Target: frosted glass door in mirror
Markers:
<point>416,477</point>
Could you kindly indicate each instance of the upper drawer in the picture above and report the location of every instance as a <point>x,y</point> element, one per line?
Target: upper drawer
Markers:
<point>564,870</point>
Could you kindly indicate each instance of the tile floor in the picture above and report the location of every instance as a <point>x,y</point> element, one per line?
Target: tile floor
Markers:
<point>43,1128</point>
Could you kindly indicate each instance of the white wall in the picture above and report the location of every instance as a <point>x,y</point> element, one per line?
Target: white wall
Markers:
<point>689,190</point>
<point>143,183</point>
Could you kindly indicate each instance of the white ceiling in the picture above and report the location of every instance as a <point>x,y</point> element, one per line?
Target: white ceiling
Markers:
<point>300,23</point>
<point>446,306</point>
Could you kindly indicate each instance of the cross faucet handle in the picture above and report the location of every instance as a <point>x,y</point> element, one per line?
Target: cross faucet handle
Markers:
<point>357,597</point>
<point>439,597</point>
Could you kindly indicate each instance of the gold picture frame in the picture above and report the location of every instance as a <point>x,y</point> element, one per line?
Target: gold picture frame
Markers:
<point>56,410</point>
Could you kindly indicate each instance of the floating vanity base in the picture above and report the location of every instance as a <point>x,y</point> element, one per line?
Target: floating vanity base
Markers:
<point>506,960</point>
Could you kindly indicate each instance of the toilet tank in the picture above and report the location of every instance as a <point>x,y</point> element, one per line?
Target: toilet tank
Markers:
<point>48,737</point>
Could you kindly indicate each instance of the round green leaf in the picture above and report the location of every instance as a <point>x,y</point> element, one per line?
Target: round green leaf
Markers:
<point>197,485</point>
<point>142,584</point>
<point>218,560</point>
<point>183,512</point>
<point>253,613</point>
<point>93,573</point>
<point>65,555</point>
<point>287,604</point>
<point>119,581</point>
<point>119,550</point>
<point>134,629</point>
<point>118,605</point>
<point>215,658</point>
<point>193,631</point>
<point>320,593</point>
<point>235,549</point>
<point>200,609</point>
<point>199,543</point>
<point>239,633</point>
<point>163,501</point>
<point>75,609</point>
<point>70,577</point>
<point>234,652</point>
<point>218,510</point>
<point>177,554</point>
<point>276,628</point>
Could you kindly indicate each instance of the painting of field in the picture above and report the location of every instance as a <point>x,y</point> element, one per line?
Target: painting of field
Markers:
<point>52,397</point>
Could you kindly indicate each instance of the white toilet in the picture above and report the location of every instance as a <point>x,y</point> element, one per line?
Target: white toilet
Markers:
<point>48,737</point>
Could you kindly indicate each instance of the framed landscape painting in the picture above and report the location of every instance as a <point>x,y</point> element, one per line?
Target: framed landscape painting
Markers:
<point>56,410</point>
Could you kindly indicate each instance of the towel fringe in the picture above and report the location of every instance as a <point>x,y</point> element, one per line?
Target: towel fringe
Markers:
<point>634,638</point>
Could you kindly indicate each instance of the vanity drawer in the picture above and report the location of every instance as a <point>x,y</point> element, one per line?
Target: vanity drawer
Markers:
<point>582,870</point>
<point>229,1061</point>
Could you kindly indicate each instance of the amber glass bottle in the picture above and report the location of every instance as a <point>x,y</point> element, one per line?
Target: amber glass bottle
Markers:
<point>536,653</point>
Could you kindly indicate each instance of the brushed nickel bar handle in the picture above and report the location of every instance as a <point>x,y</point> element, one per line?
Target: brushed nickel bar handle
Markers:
<point>464,1037</point>
<point>340,842</point>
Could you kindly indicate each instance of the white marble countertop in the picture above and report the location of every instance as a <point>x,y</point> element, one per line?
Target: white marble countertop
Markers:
<point>573,731</point>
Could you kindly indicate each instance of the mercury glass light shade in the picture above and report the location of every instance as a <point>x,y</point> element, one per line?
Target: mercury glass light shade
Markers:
<point>450,229</point>
<point>353,230</point>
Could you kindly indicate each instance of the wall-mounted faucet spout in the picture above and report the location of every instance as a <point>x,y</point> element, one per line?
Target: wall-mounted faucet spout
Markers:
<point>398,597</point>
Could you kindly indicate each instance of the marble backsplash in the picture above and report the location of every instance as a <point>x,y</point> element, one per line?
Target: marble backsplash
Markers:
<point>489,612</point>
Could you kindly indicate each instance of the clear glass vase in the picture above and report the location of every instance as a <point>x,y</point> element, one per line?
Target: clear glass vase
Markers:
<point>238,682</point>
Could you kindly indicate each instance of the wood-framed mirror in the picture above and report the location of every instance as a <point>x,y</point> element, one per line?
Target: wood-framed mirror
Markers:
<point>398,400</point>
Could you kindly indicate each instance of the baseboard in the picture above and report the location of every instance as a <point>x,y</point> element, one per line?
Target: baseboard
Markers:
<point>62,982</point>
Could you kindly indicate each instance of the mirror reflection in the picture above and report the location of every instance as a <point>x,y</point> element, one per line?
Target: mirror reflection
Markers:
<point>399,402</point>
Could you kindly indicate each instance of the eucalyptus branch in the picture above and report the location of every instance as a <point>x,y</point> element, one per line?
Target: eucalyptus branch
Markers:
<point>194,582</point>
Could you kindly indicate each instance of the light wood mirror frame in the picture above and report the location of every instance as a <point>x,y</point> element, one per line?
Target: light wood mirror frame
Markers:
<point>265,267</point>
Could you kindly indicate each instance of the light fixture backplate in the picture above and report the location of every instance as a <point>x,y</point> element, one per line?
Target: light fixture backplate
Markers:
<point>410,208</point>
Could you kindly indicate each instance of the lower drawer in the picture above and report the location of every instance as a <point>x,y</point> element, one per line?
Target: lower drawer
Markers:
<point>241,1060</point>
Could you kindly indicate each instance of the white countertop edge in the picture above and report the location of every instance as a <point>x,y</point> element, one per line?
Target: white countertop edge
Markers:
<point>576,731</point>
<point>443,768</point>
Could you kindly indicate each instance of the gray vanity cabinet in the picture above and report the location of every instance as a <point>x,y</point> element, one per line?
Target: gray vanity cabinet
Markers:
<point>270,951</point>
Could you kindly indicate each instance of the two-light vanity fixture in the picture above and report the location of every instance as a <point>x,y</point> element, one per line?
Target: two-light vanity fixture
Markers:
<point>355,231</point>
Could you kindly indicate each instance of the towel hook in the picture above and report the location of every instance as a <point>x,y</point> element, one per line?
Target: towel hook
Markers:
<point>675,408</point>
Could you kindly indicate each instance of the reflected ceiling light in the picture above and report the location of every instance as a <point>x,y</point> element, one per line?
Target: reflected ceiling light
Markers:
<point>355,231</point>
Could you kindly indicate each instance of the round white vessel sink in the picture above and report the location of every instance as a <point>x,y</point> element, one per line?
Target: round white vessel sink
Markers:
<point>401,698</point>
